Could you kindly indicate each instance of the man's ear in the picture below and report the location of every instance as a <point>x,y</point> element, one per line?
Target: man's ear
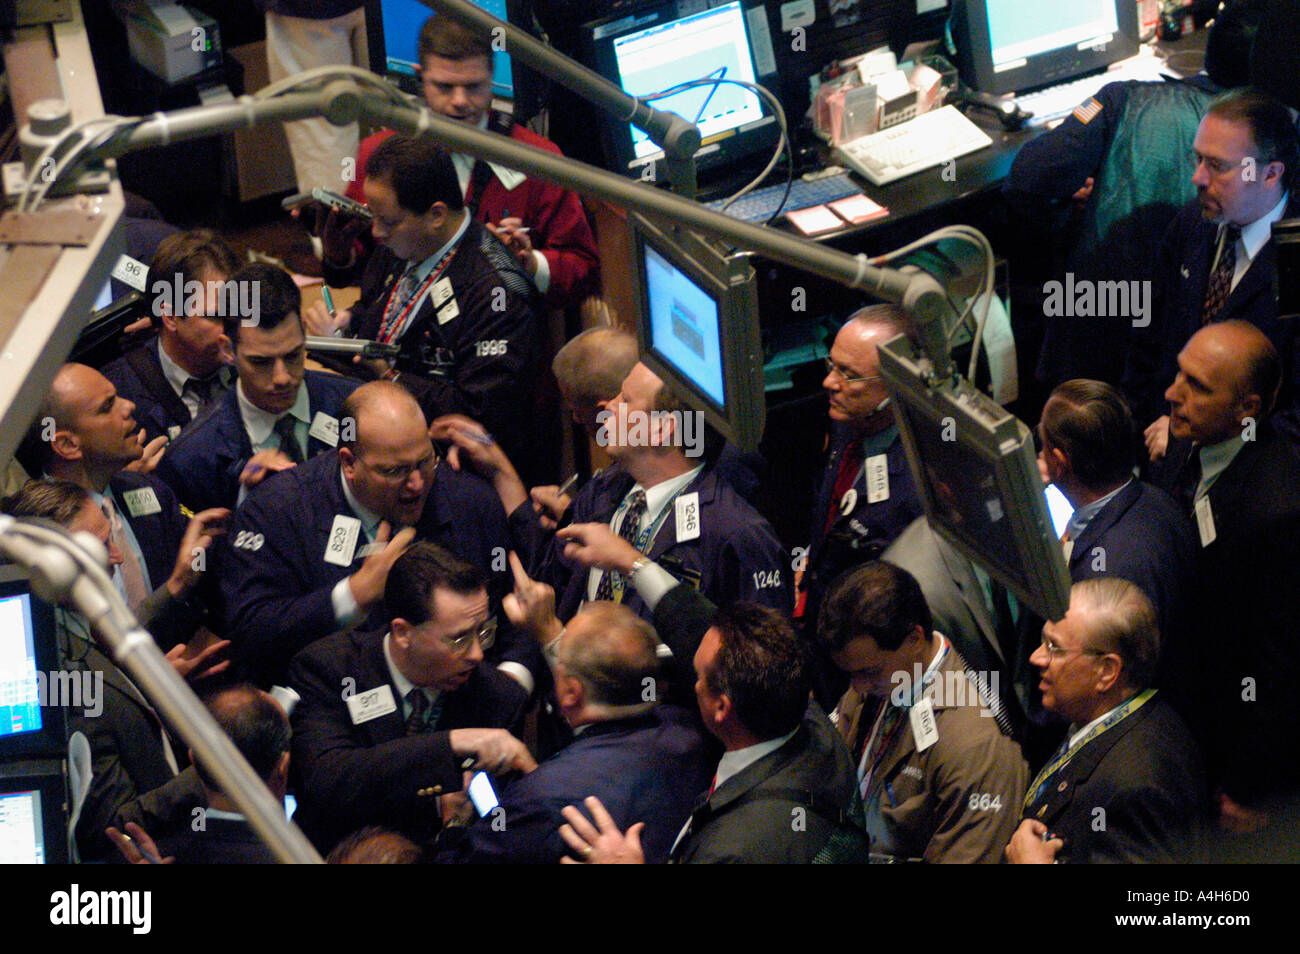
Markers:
<point>401,631</point>
<point>166,318</point>
<point>722,708</point>
<point>226,349</point>
<point>66,444</point>
<point>437,215</point>
<point>568,691</point>
<point>347,461</point>
<point>1112,668</point>
<point>1273,172</point>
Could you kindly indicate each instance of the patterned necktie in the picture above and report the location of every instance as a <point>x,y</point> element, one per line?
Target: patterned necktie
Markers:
<point>1220,285</point>
<point>132,570</point>
<point>286,428</point>
<point>628,530</point>
<point>407,285</point>
<point>424,714</point>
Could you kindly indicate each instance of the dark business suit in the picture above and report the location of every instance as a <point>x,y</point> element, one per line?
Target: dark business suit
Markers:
<point>476,353</point>
<point>138,376</point>
<point>132,780</point>
<point>203,463</point>
<point>276,583</point>
<point>1143,537</point>
<point>650,767</point>
<point>795,805</point>
<point>221,841</point>
<point>350,775</point>
<point>1250,653</point>
<point>736,556</point>
<point>1179,298</point>
<point>1136,793</point>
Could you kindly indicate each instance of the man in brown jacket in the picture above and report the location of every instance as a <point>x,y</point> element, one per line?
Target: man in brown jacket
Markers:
<point>940,780</point>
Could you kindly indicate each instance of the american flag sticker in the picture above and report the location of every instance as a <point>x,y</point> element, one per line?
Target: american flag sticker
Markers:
<point>1086,110</point>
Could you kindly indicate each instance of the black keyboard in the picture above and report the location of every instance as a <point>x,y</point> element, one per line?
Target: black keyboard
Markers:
<point>759,205</point>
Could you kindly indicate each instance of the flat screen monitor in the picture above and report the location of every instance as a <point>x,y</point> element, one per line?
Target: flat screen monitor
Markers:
<point>975,467</point>
<point>31,717</point>
<point>651,50</point>
<point>33,820</point>
<point>393,31</point>
<point>1010,46</point>
<point>698,326</point>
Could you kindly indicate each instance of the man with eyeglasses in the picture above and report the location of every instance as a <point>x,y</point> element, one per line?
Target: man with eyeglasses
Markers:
<point>388,719</point>
<point>867,497</point>
<point>646,759</point>
<point>1127,785</point>
<point>277,415</point>
<point>1218,261</point>
<point>311,551</point>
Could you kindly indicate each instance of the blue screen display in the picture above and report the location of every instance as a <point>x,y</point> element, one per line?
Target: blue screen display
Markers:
<point>20,707</point>
<point>684,326</point>
<point>402,22</point>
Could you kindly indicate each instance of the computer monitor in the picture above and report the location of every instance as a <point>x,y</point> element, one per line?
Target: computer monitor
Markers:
<point>650,50</point>
<point>33,819</point>
<point>698,326</point>
<point>32,720</point>
<point>393,31</point>
<point>1009,46</point>
<point>977,473</point>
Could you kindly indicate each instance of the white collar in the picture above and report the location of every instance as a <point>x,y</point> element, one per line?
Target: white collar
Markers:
<point>1215,459</point>
<point>369,520</point>
<point>657,497</point>
<point>509,178</point>
<point>735,762</point>
<point>402,684</point>
<point>259,423</point>
<point>1257,233</point>
<point>176,375</point>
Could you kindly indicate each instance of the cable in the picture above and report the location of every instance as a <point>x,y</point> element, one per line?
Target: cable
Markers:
<point>325,73</point>
<point>783,143</point>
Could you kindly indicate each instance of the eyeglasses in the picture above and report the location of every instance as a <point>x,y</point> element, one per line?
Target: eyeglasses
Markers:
<point>1057,651</point>
<point>485,633</point>
<point>847,376</point>
<point>400,473</point>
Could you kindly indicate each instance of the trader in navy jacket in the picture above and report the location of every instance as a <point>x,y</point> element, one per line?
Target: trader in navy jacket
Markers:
<point>1120,526</point>
<point>692,522</point>
<point>388,718</point>
<point>309,551</point>
<point>278,414</point>
<point>644,759</point>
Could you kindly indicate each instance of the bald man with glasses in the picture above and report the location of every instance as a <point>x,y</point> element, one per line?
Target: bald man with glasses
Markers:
<point>866,498</point>
<point>310,552</point>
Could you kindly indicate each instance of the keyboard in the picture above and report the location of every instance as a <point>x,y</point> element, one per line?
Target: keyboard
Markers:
<point>1054,102</point>
<point>761,204</point>
<point>930,139</point>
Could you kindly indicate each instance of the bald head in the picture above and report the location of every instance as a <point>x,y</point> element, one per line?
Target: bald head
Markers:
<point>858,396</point>
<point>381,407</point>
<point>611,652</point>
<point>1228,372</point>
<point>95,434</point>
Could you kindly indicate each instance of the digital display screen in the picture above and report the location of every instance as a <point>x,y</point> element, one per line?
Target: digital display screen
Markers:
<point>685,329</point>
<point>22,833</point>
<point>1019,29</point>
<point>709,45</point>
<point>20,707</point>
<point>402,22</point>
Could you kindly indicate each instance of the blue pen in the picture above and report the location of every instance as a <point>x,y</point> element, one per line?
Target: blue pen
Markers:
<point>329,300</point>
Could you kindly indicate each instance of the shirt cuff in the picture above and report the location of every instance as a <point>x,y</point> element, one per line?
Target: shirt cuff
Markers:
<point>652,583</point>
<point>520,674</point>
<point>346,609</point>
<point>542,277</point>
